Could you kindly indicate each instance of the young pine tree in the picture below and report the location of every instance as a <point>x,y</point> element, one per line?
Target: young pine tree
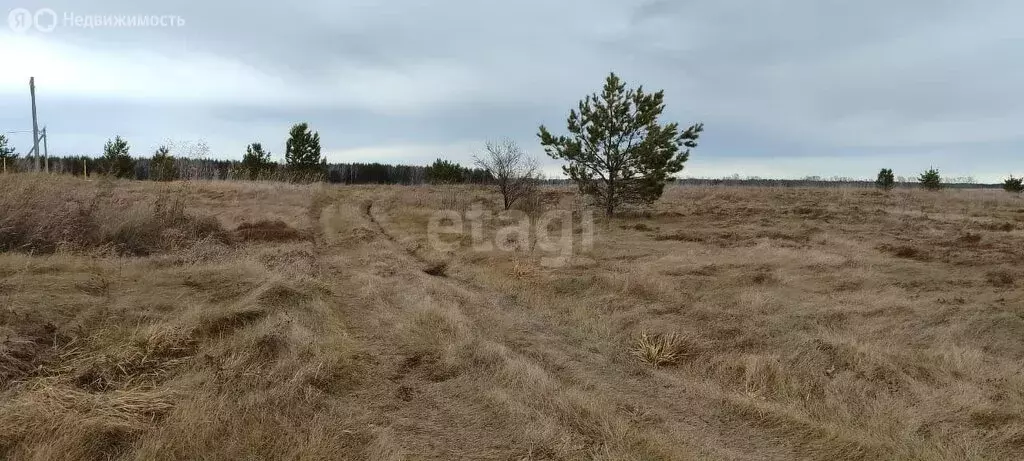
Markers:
<point>117,160</point>
<point>617,151</point>
<point>445,172</point>
<point>302,154</point>
<point>256,162</point>
<point>161,167</point>
<point>885,180</point>
<point>7,155</point>
<point>930,180</point>
<point>1013,185</point>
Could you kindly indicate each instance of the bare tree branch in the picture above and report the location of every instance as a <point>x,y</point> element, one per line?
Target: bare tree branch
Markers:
<point>512,169</point>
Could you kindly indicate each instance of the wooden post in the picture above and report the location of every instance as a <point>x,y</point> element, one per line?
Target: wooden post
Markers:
<point>46,152</point>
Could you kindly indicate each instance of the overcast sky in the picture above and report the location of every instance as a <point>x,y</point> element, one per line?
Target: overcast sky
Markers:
<point>786,88</point>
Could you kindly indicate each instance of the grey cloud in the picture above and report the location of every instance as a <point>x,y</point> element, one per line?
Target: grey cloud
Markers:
<point>771,78</point>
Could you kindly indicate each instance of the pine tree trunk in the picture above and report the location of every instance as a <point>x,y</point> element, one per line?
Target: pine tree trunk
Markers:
<point>610,199</point>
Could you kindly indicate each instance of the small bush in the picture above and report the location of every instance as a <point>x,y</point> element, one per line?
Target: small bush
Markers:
<point>531,201</point>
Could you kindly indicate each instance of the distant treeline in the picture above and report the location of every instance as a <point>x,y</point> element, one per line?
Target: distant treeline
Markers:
<point>197,169</point>
<point>381,173</point>
<point>903,183</point>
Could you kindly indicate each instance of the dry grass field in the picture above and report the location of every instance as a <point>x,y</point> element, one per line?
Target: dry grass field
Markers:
<point>231,320</point>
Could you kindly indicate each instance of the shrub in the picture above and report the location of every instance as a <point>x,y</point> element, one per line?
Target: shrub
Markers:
<point>513,171</point>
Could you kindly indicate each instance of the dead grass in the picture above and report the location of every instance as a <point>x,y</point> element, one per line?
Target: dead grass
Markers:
<point>724,323</point>
<point>43,215</point>
<point>659,349</point>
<point>267,231</point>
<point>1000,278</point>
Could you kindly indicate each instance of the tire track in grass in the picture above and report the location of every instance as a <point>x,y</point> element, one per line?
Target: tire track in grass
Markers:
<point>558,394</point>
<point>786,437</point>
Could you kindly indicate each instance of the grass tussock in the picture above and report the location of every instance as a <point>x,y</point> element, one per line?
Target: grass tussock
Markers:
<point>437,269</point>
<point>77,424</point>
<point>659,349</point>
<point>267,231</point>
<point>904,251</point>
<point>1000,278</point>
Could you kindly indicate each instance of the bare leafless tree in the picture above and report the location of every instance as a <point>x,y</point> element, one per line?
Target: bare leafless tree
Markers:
<point>514,172</point>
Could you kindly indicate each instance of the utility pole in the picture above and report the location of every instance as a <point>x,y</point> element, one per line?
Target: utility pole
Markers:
<point>35,122</point>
